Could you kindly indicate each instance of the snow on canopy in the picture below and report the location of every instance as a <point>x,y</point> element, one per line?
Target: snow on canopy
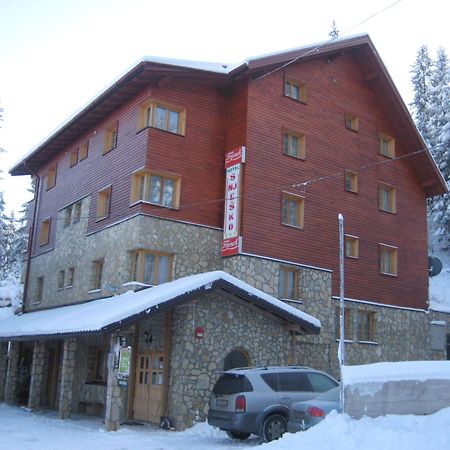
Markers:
<point>99,315</point>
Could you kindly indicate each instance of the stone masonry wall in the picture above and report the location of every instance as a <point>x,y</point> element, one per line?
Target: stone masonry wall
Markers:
<point>195,250</point>
<point>67,378</point>
<point>37,375</point>
<point>400,334</point>
<point>195,364</point>
<point>11,373</point>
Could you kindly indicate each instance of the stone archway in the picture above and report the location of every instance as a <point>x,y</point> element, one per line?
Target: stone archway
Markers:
<point>236,358</point>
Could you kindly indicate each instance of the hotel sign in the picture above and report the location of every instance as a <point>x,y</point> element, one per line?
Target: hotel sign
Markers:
<point>232,241</point>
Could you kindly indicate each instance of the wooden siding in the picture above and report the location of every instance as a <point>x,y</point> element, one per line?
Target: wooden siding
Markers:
<point>254,115</point>
<point>197,157</point>
<point>334,89</point>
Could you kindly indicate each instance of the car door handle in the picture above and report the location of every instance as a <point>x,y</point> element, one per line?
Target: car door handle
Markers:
<point>285,398</point>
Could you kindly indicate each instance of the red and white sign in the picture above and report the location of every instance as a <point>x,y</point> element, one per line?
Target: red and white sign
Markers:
<point>231,243</point>
<point>234,157</point>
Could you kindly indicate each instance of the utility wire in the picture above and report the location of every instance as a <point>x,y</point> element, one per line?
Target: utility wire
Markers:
<point>294,185</point>
<point>318,47</point>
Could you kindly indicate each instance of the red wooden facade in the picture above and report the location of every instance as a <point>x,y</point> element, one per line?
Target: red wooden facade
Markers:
<point>247,107</point>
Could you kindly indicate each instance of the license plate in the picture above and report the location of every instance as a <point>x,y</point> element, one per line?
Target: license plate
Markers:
<point>221,402</point>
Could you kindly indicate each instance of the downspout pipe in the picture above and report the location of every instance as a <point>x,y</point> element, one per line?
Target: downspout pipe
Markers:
<point>31,235</point>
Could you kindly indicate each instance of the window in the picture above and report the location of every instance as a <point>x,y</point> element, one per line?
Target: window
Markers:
<point>366,326</point>
<point>294,382</point>
<point>347,323</point>
<point>351,181</point>
<point>351,122</point>
<point>96,274</point>
<point>103,203</point>
<point>67,216</point>
<point>386,198</point>
<point>157,188</point>
<point>70,276</point>
<point>151,267</point>
<point>351,246</point>
<point>110,137</point>
<point>61,279</point>
<point>294,144</point>
<point>76,213</point>
<point>44,236</point>
<point>292,210</point>
<point>388,260</point>
<point>83,150</point>
<point>288,283</point>
<point>295,89</point>
<point>387,146</point>
<point>51,178</point>
<point>73,157</point>
<point>39,289</point>
<point>162,116</point>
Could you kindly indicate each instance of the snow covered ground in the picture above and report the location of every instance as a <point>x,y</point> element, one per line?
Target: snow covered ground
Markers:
<point>21,429</point>
<point>440,284</point>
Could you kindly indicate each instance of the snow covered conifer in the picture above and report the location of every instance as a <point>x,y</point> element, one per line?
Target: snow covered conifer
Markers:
<point>421,75</point>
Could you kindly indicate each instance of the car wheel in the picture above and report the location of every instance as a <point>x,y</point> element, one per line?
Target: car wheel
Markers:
<point>274,427</point>
<point>238,435</point>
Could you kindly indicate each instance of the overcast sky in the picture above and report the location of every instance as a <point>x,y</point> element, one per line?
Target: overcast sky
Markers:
<point>57,55</point>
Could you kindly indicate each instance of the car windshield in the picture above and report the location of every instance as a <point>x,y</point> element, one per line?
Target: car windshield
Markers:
<point>232,383</point>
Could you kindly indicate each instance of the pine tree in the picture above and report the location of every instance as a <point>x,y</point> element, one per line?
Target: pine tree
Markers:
<point>421,75</point>
<point>431,81</point>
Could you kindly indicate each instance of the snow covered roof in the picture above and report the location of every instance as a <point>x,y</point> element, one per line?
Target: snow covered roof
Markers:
<point>107,314</point>
<point>189,64</point>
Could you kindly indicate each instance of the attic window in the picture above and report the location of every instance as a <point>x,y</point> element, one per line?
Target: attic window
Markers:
<point>295,89</point>
<point>387,146</point>
<point>351,122</point>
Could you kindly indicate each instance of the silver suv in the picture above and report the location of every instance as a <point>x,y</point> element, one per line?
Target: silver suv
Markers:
<point>257,400</point>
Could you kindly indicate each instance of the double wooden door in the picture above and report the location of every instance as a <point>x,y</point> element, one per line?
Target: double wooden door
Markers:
<point>149,388</point>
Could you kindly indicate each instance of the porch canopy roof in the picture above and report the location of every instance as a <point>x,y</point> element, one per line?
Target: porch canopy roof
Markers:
<point>109,314</point>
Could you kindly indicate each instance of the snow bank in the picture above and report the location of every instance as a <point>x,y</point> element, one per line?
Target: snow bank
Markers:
<point>340,432</point>
<point>23,430</point>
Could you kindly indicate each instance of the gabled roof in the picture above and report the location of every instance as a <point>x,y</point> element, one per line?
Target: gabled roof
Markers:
<point>111,313</point>
<point>151,70</point>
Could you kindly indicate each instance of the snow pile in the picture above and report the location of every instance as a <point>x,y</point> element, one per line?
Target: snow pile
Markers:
<point>440,285</point>
<point>340,432</point>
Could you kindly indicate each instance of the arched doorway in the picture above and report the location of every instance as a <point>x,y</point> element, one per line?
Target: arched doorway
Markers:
<point>236,358</point>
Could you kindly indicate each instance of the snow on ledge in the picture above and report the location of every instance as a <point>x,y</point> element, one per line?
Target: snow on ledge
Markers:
<point>396,371</point>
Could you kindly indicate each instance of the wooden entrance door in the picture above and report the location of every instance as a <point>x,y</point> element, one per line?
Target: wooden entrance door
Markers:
<point>148,397</point>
